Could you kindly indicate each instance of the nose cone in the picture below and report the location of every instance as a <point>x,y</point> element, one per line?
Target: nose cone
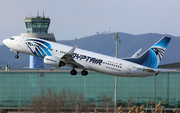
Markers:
<point>5,41</point>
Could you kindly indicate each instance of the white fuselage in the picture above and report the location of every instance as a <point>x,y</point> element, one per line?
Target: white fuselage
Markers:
<point>90,60</point>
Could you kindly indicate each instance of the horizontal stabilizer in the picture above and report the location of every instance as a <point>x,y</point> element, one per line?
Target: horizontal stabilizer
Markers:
<point>149,70</point>
<point>136,55</point>
<point>167,70</point>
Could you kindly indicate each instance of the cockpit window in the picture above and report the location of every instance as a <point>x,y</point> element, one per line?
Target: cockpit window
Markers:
<point>12,38</point>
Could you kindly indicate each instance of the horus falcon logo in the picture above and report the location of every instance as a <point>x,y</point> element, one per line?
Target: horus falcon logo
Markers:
<point>159,51</point>
<point>39,48</point>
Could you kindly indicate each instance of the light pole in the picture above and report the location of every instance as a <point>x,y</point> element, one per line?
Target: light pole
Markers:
<point>116,39</point>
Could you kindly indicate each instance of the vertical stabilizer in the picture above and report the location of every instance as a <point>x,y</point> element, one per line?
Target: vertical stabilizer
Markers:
<point>152,57</point>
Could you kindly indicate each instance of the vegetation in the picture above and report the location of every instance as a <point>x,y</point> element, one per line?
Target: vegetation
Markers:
<point>64,101</point>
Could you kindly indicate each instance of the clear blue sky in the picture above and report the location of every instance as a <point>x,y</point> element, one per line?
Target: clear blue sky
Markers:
<point>72,19</point>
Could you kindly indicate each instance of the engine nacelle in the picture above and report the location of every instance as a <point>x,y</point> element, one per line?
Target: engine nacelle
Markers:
<point>49,60</point>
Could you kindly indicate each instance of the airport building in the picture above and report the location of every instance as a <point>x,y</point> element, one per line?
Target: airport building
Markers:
<point>18,87</point>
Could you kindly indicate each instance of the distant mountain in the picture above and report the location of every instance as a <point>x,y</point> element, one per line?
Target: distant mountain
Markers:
<point>104,44</point>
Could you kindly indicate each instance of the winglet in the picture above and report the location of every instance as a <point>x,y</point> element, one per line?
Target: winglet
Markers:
<point>69,54</point>
<point>72,50</point>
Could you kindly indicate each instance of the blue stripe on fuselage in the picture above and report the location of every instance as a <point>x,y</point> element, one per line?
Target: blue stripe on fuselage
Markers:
<point>45,49</point>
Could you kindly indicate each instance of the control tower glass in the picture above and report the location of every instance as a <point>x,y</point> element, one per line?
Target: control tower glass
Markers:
<point>37,25</point>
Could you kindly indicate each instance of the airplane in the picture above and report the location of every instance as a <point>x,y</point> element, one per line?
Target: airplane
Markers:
<point>58,55</point>
<point>136,55</point>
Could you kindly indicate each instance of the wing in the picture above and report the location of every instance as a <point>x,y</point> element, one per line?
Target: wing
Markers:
<point>68,59</point>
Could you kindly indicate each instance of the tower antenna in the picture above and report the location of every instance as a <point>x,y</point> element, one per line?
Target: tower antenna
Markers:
<point>30,13</point>
<point>38,14</point>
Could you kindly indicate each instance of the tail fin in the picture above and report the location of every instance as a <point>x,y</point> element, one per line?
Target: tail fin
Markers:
<point>152,57</point>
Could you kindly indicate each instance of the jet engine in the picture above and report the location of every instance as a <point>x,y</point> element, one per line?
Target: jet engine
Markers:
<point>50,60</point>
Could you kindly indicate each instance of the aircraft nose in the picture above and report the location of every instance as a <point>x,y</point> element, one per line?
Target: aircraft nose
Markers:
<point>5,41</point>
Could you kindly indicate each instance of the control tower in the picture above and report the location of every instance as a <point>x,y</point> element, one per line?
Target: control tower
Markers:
<point>38,27</point>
